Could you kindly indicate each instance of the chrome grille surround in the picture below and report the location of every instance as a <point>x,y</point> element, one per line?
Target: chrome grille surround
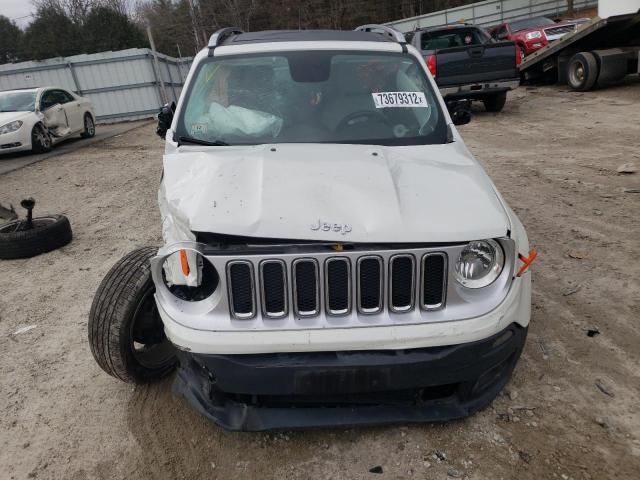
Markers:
<point>433,306</point>
<point>215,313</point>
<point>359,282</point>
<point>232,310</point>
<point>327,300</point>
<point>263,289</point>
<point>408,305</point>
<point>296,300</point>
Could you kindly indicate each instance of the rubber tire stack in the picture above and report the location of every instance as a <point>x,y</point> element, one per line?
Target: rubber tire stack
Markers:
<point>29,243</point>
<point>112,314</point>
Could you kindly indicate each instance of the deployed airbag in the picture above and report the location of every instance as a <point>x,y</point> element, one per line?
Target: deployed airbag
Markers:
<point>223,121</point>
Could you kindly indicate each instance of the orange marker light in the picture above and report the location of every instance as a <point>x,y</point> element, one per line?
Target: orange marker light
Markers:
<point>528,260</point>
<point>184,262</point>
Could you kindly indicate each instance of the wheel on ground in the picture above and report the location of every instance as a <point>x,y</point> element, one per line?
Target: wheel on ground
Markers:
<point>89,127</point>
<point>126,333</point>
<point>40,139</point>
<point>582,71</point>
<point>19,240</point>
<point>495,103</point>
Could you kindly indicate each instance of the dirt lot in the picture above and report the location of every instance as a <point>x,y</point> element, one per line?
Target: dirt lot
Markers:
<point>572,409</point>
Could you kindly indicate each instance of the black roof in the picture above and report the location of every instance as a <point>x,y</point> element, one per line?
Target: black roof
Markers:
<point>269,36</point>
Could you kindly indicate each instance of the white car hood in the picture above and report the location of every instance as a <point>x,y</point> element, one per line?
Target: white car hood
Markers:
<point>346,193</point>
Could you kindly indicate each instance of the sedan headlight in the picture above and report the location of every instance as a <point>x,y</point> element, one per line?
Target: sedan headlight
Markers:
<point>533,35</point>
<point>479,263</point>
<point>10,127</point>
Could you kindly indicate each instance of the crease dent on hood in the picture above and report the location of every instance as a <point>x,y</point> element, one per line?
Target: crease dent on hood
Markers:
<point>350,193</point>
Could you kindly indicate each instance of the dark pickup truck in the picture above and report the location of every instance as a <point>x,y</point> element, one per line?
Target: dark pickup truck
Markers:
<point>468,64</point>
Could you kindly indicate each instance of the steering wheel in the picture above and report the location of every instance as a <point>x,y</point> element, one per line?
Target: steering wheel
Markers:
<point>366,115</point>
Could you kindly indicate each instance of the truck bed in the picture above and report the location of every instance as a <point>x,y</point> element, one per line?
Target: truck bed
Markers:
<point>476,64</point>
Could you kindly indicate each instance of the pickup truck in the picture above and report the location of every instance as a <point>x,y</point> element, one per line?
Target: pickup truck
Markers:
<point>468,64</point>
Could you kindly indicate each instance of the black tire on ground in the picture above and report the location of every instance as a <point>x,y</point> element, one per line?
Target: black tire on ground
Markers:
<point>89,127</point>
<point>48,234</point>
<point>582,71</point>
<point>495,103</point>
<point>40,139</point>
<point>126,333</point>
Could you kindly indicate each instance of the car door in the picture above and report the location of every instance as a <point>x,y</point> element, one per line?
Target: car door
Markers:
<point>73,108</point>
<point>55,115</point>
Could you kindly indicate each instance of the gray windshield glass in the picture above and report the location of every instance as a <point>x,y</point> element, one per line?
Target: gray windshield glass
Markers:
<point>17,101</point>
<point>312,97</point>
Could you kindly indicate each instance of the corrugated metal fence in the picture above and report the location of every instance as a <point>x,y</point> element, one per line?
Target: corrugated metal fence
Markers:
<point>122,85</point>
<point>490,12</point>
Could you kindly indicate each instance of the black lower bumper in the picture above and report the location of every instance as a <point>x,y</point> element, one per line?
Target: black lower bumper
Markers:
<point>296,390</point>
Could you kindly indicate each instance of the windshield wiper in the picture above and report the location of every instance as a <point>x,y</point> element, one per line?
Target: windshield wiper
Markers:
<point>197,141</point>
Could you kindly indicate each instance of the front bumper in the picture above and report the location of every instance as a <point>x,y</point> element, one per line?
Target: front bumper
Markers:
<point>297,390</point>
<point>532,46</point>
<point>17,141</point>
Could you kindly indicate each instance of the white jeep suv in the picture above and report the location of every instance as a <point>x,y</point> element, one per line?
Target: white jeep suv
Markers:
<point>329,242</point>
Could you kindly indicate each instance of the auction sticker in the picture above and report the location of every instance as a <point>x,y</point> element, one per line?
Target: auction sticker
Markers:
<point>197,128</point>
<point>400,99</point>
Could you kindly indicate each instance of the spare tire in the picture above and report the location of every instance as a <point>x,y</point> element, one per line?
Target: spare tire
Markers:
<point>47,233</point>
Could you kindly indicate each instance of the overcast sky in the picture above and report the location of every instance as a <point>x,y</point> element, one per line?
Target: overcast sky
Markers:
<point>16,8</point>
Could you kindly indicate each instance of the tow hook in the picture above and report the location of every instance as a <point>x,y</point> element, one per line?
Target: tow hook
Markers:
<point>28,204</point>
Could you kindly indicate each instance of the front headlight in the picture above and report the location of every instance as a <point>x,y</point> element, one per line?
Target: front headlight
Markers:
<point>189,276</point>
<point>10,127</point>
<point>479,263</point>
<point>533,35</point>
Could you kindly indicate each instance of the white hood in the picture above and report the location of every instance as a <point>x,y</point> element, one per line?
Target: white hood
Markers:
<point>8,117</point>
<point>346,193</point>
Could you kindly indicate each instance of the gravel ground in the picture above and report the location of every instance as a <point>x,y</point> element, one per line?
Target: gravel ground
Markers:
<point>571,411</point>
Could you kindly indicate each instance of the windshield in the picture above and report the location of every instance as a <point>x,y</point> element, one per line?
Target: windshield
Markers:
<point>531,23</point>
<point>17,101</point>
<point>312,97</point>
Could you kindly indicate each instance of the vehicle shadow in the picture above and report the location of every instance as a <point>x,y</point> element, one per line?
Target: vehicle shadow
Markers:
<point>177,442</point>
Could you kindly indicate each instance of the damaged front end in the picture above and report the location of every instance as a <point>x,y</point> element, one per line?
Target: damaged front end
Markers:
<point>290,334</point>
<point>296,390</point>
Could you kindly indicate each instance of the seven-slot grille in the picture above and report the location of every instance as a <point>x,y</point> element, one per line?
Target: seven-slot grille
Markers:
<point>400,284</point>
<point>561,30</point>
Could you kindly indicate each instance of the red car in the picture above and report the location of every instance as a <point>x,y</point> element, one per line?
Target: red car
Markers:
<point>532,34</point>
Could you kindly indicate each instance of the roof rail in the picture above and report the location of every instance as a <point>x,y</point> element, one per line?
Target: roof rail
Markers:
<point>221,35</point>
<point>392,33</point>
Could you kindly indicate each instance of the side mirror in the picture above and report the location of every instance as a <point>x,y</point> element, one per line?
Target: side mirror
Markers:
<point>165,117</point>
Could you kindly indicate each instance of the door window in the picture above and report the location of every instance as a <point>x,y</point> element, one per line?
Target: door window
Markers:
<point>48,99</point>
<point>501,33</point>
<point>63,97</point>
